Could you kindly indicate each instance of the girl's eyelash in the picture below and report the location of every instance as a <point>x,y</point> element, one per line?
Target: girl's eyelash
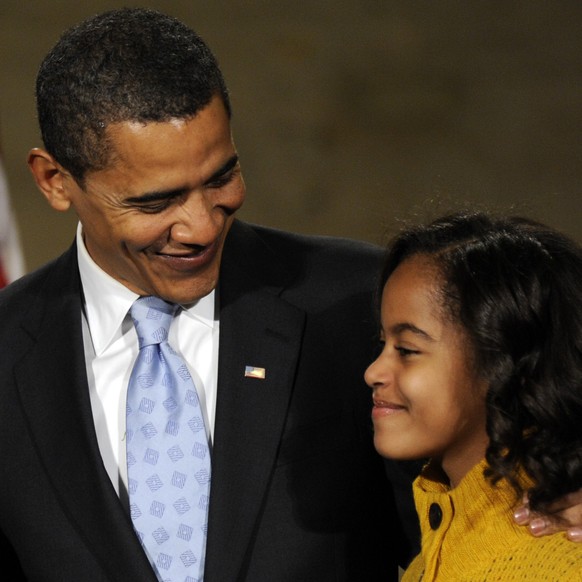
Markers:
<point>405,351</point>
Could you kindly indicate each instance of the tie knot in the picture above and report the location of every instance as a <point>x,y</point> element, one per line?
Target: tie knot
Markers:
<point>152,318</point>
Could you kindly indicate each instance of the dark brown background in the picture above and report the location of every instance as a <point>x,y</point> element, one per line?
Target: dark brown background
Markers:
<point>351,115</point>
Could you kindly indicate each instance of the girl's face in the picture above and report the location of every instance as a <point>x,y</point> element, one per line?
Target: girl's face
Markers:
<point>427,400</point>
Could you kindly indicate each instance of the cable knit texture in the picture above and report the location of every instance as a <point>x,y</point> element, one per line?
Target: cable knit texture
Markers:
<point>477,540</point>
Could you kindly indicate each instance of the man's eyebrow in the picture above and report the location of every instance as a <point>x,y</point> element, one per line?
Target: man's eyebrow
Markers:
<point>159,195</point>
<point>406,326</point>
<point>156,196</point>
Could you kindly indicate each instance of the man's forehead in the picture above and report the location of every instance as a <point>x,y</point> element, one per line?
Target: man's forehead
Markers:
<point>139,128</point>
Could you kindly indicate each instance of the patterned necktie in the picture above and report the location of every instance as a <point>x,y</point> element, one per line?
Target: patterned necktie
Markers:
<point>168,460</point>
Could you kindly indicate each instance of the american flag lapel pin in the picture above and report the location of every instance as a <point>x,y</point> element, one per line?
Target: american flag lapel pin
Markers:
<point>254,372</point>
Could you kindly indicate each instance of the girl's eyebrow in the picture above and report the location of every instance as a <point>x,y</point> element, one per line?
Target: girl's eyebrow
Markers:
<point>406,326</point>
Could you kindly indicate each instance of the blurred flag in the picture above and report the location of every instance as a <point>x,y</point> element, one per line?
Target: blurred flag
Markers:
<point>11,257</point>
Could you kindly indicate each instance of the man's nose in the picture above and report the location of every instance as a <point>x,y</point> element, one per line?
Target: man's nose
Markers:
<point>196,221</point>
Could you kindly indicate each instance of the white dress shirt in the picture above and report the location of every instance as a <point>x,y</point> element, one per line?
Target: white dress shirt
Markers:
<point>111,347</point>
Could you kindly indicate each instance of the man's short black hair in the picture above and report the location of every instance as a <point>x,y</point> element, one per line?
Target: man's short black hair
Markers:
<point>130,64</point>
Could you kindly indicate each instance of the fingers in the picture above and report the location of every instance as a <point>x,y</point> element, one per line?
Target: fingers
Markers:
<point>543,526</point>
<point>562,516</point>
<point>538,525</point>
<point>522,515</point>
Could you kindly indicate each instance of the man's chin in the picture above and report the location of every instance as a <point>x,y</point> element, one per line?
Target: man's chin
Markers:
<point>184,294</point>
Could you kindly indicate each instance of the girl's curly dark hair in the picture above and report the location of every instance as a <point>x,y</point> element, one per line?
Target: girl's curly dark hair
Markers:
<point>515,286</point>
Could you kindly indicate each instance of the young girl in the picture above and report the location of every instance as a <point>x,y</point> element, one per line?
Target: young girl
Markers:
<point>481,371</point>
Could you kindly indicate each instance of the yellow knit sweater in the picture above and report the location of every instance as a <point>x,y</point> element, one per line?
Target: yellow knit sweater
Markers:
<point>476,539</point>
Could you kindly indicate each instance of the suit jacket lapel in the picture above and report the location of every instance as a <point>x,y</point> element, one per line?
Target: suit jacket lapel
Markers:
<point>53,387</point>
<point>257,328</point>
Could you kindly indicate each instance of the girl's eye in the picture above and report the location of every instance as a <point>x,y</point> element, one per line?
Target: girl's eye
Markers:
<point>404,352</point>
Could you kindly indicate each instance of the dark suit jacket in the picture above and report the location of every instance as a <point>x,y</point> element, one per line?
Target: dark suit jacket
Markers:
<point>298,492</point>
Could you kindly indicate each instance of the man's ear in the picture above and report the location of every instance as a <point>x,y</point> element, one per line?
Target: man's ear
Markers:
<point>49,176</point>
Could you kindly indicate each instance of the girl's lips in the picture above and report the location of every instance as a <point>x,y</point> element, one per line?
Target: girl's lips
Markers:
<point>383,409</point>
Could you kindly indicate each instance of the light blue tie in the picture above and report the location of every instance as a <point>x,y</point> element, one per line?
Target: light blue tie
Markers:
<point>168,459</point>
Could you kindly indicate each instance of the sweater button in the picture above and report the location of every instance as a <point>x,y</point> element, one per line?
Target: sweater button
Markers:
<point>435,515</point>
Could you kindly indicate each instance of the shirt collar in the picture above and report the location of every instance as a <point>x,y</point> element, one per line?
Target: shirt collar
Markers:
<point>107,301</point>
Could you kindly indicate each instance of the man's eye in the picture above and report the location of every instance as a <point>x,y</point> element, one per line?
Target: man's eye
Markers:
<point>221,180</point>
<point>154,208</point>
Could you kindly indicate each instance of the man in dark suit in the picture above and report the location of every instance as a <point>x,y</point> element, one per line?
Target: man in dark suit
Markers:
<point>135,119</point>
